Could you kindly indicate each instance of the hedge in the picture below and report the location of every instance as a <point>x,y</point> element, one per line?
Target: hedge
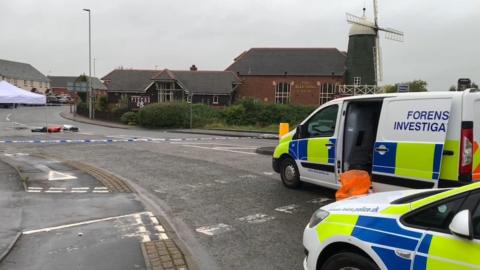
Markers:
<point>247,112</point>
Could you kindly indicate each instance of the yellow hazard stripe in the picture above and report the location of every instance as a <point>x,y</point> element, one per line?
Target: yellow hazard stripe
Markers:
<point>450,248</point>
<point>476,162</point>
<point>415,160</point>
<point>317,152</point>
<point>450,164</point>
<point>336,225</point>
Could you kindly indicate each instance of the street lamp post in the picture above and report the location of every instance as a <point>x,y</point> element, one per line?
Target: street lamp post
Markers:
<point>90,91</point>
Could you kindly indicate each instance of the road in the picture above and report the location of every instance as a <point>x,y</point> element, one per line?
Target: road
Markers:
<point>224,204</point>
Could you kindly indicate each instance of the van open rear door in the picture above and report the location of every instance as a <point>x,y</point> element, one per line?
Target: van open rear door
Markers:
<point>410,140</point>
<point>470,139</point>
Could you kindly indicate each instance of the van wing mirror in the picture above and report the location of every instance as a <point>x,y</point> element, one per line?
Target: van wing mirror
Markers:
<point>300,132</point>
<point>461,224</point>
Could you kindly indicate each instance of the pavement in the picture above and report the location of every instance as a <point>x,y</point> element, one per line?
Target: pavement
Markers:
<point>216,197</point>
<point>11,207</point>
<point>82,119</point>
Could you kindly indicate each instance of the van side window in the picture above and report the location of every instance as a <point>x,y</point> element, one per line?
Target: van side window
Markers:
<point>322,124</point>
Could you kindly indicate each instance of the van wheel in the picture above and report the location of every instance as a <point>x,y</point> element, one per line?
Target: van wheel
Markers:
<point>289,173</point>
<point>349,261</point>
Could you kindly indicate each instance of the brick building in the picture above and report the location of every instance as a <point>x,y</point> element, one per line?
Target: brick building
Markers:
<point>304,76</point>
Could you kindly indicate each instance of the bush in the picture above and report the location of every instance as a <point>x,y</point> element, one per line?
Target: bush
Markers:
<point>164,115</point>
<point>102,104</point>
<point>129,118</point>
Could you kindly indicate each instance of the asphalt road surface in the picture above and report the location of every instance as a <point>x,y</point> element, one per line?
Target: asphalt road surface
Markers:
<point>227,207</point>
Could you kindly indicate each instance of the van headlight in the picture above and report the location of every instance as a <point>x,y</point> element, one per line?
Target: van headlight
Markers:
<point>317,217</point>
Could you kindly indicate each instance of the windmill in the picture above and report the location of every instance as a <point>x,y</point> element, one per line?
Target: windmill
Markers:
<point>372,29</point>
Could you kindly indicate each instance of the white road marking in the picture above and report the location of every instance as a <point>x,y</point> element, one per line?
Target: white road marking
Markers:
<point>163,236</point>
<point>78,191</point>
<point>54,176</point>
<point>53,191</point>
<point>79,223</point>
<point>319,200</point>
<point>289,209</point>
<point>219,149</point>
<point>268,173</point>
<point>100,188</point>
<point>256,218</point>
<point>220,181</point>
<point>58,188</point>
<point>8,117</point>
<point>100,191</point>
<point>248,176</point>
<point>35,187</point>
<point>34,191</point>
<point>146,238</point>
<point>159,228</point>
<point>154,220</point>
<point>142,229</point>
<point>80,188</point>
<point>214,229</point>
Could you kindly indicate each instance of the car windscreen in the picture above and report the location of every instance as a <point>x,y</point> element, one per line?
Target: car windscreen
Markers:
<point>418,196</point>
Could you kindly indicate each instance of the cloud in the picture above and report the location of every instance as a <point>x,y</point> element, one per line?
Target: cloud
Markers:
<point>440,41</point>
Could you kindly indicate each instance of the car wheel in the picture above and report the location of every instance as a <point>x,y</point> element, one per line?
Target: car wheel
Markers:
<point>289,173</point>
<point>349,261</point>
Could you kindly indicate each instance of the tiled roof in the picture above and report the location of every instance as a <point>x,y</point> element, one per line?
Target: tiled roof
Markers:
<point>290,61</point>
<point>22,71</point>
<point>202,82</point>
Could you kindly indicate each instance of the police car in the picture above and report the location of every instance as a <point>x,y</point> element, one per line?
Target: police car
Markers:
<point>405,140</point>
<point>406,229</point>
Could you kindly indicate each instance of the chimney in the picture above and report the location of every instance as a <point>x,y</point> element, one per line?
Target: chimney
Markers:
<point>193,68</point>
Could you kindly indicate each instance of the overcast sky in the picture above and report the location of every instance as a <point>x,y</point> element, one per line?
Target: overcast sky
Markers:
<point>441,37</point>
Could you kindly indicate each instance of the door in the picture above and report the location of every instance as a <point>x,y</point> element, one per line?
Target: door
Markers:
<point>439,248</point>
<point>317,148</point>
<point>410,139</point>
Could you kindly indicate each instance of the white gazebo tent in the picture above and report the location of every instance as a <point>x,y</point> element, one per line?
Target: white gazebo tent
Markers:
<point>11,94</point>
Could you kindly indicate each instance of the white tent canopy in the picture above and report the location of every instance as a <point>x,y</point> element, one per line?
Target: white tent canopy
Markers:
<point>12,94</point>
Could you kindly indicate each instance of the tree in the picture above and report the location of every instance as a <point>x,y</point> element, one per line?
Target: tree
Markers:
<point>390,88</point>
<point>452,88</point>
<point>414,86</point>
<point>418,86</point>
<point>474,85</point>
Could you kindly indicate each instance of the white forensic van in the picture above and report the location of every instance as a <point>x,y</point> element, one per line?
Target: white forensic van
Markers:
<point>405,140</point>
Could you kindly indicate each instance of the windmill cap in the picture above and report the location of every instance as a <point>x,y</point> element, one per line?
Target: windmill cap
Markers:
<point>357,29</point>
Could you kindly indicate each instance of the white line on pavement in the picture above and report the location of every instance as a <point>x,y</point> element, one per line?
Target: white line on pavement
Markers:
<point>214,229</point>
<point>80,223</point>
<point>78,191</point>
<point>220,149</point>
<point>34,190</point>
<point>289,209</point>
<point>100,191</point>
<point>35,187</point>
<point>256,218</point>
<point>8,117</point>
<point>53,191</point>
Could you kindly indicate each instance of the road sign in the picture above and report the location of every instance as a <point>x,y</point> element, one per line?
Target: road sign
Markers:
<point>403,88</point>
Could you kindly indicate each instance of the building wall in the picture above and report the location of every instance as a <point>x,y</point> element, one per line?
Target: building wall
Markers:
<point>28,84</point>
<point>304,90</point>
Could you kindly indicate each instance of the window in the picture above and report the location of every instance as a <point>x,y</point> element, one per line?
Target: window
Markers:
<point>327,93</point>
<point>282,93</point>
<point>357,80</point>
<point>215,99</point>
<point>322,124</point>
<point>165,91</point>
<point>435,217</point>
<point>476,222</point>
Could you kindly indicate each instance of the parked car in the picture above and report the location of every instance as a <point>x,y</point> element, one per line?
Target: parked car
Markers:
<point>408,229</point>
